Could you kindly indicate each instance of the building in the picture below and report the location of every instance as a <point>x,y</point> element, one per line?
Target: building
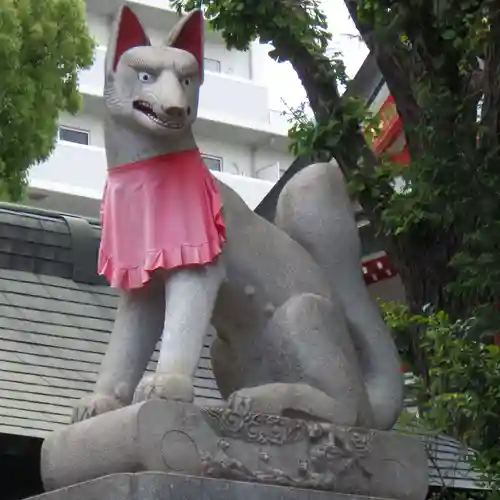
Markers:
<point>239,136</point>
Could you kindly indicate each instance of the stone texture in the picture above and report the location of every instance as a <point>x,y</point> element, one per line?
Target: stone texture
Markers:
<point>283,315</point>
<point>162,486</point>
<point>237,444</point>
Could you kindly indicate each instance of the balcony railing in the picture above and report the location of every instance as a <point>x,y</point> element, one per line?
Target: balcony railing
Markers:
<point>79,167</point>
<point>81,171</point>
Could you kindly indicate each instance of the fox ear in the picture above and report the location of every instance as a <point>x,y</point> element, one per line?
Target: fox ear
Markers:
<point>127,32</point>
<point>187,35</point>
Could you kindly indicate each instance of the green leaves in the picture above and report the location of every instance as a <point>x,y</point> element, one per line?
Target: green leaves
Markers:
<point>460,393</point>
<point>43,44</point>
<point>449,34</point>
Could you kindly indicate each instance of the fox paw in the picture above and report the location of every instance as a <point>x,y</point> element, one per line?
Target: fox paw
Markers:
<point>94,405</point>
<point>165,386</point>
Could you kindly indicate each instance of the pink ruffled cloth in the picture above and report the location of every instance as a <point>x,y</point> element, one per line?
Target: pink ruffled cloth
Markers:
<point>160,213</point>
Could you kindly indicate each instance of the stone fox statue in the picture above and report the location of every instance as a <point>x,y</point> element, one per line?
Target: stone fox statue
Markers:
<point>297,333</point>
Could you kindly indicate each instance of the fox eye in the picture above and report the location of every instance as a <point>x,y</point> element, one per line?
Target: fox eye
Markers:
<point>145,77</point>
<point>187,81</point>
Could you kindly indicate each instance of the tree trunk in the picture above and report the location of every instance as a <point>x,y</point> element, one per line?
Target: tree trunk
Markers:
<point>423,263</point>
<point>423,266</point>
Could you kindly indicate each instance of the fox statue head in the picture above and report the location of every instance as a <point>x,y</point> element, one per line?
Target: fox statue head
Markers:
<point>154,88</point>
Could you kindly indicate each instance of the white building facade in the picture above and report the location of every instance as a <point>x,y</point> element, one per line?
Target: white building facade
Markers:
<point>243,141</point>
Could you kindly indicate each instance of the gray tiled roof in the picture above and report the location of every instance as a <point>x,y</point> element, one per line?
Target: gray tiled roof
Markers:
<point>53,333</point>
<point>449,463</point>
<point>53,329</point>
<point>55,319</point>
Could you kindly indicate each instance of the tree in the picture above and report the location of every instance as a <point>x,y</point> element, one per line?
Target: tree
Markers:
<point>440,60</point>
<point>43,44</point>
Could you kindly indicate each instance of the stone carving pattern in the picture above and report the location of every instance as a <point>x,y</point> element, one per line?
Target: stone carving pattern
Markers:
<point>255,427</point>
<point>331,451</point>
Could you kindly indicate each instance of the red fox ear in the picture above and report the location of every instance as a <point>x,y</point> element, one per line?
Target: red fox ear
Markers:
<point>187,35</point>
<point>127,33</point>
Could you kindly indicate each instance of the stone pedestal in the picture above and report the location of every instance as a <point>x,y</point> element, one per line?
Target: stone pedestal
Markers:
<point>162,486</point>
<point>234,444</point>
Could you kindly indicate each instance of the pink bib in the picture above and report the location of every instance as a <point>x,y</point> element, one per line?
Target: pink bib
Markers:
<point>160,213</point>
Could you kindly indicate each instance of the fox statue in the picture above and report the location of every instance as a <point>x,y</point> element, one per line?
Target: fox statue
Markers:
<point>297,332</point>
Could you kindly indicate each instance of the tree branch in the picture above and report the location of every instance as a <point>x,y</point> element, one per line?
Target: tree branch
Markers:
<point>391,61</point>
<point>314,72</point>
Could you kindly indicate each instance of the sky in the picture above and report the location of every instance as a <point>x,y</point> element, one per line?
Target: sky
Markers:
<point>282,80</point>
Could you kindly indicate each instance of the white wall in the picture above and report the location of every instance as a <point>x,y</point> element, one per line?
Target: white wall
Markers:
<point>269,163</point>
<point>232,62</point>
<point>236,158</point>
<point>99,27</point>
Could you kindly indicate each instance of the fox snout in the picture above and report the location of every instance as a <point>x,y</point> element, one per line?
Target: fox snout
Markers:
<point>176,112</point>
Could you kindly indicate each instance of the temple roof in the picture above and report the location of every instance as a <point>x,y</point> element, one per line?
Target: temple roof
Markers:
<point>55,319</point>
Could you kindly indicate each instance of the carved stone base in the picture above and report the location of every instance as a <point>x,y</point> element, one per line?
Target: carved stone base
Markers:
<point>239,445</point>
<point>161,486</point>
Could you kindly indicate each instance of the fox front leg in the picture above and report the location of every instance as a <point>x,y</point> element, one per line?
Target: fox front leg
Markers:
<point>137,329</point>
<point>190,296</point>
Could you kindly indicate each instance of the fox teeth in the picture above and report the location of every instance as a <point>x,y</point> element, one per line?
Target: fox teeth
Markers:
<point>166,123</point>
<point>147,109</point>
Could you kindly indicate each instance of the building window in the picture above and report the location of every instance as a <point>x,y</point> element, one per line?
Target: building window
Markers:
<point>213,162</point>
<point>74,135</point>
<point>211,65</point>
